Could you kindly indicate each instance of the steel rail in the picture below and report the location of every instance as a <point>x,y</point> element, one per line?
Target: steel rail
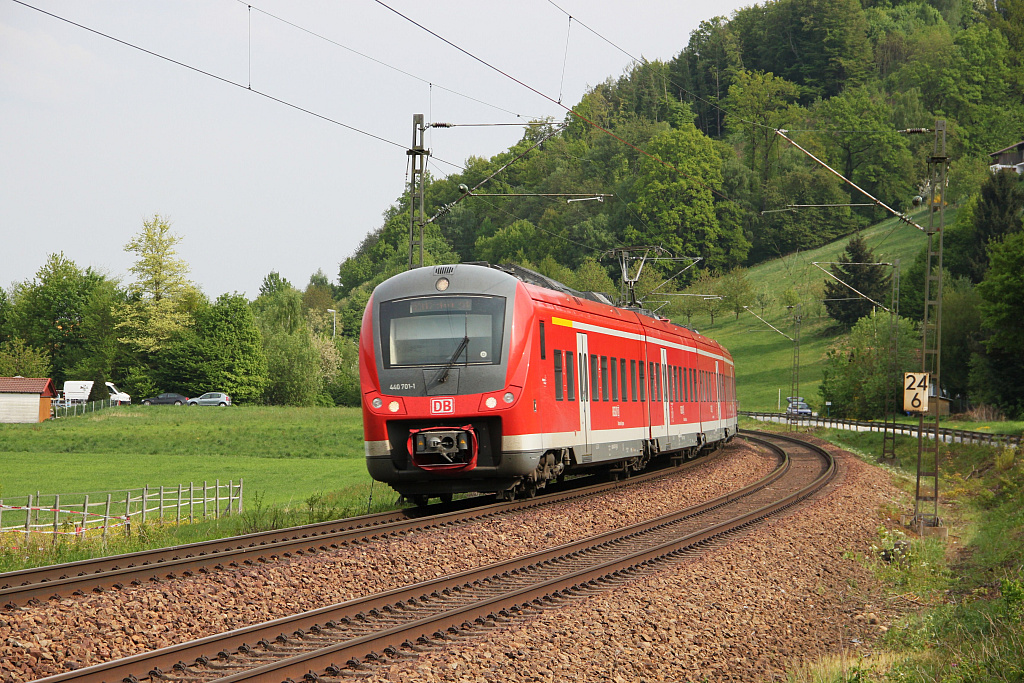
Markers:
<point>478,611</point>
<point>25,586</point>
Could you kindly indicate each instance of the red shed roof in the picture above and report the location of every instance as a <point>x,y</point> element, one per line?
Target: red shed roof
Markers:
<point>28,385</point>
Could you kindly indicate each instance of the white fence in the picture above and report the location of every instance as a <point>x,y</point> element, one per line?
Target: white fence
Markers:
<point>82,514</point>
<point>71,408</point>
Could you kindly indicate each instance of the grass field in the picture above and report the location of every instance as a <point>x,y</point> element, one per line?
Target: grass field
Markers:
<point>284,454</point>
<point>764,358</point>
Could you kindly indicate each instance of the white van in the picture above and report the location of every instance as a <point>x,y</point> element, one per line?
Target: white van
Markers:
<point>117,395</point>
<point>77,391</point>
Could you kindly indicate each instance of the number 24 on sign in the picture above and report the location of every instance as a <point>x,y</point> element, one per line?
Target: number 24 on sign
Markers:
<point>915,392</point>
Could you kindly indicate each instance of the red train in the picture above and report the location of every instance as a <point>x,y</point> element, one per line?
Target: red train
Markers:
<point>479,378</point>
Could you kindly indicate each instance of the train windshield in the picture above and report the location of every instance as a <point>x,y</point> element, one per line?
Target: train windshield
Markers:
<point>442,330</point>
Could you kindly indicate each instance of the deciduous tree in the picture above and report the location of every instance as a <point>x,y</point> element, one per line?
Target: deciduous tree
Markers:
<point>857,378</point>
<point>163,299</point>
<point>47,312</point>
<point>19,359</point>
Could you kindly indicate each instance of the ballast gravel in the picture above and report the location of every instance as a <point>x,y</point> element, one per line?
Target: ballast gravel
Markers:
<point>738,613</point>
<point>788,594</point>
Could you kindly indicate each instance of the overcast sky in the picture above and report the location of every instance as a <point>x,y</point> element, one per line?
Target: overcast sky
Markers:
<point>96,137</point>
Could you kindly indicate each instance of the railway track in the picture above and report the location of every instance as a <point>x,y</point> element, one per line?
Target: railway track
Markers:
<point>54,582</point>
<point>334,642</point>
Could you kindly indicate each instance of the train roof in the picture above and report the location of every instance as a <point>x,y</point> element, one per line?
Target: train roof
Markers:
<point>542,282</point>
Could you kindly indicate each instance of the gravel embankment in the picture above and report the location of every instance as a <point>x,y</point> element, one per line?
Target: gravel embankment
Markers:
<point>784,594</point>
<point>79,631</point>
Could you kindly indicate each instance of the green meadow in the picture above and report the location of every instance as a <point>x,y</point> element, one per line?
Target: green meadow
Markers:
<point>284,454</point>
<point>764,358</point>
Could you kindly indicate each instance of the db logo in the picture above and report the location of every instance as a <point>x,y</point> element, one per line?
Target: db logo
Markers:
<point>442,406</point>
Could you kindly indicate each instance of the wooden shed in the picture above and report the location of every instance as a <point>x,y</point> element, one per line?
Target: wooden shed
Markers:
<point>1011,157</point>
<point>25,399</point>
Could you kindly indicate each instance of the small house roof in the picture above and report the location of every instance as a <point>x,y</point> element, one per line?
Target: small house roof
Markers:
<point>28,385</point>
<point>1007,149</point>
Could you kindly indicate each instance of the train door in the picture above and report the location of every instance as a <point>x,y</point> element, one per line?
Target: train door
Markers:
<point>718,397</point>
<point>583,373</point>
<point>665,396</point>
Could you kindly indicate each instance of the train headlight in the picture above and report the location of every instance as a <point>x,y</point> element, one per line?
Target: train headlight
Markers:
<point>394,406</point>
<point>441,284</point>
<point>491,402</point>
<point>508,397</point>
<point>377,403</point>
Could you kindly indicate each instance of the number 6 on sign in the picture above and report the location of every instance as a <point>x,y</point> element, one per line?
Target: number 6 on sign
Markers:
<point>915,392</point>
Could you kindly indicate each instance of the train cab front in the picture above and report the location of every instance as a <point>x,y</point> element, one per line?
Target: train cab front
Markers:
<point>436,380</point>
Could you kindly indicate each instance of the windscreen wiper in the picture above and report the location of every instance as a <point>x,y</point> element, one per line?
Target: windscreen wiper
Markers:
<point>442,376</point>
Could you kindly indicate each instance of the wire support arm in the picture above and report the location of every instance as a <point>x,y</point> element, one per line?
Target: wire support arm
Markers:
<point>817,264</point>
<point>878,202</point>
<point>469,192</point>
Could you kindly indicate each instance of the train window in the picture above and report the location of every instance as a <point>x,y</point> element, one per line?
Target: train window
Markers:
<point>558,375</point>
<point>543,348</point>
<point>442,330</point>
<point>643,383</point>
<point>632,375</point>
<point>615,379</point>
<point>604,378</point>
<point>679,384</point>
<point>593,378</point>
<point>651,376</point>
<point>672,383</point>
<point>622,374</point>
<point>570,376</point>
<point>657,381</point>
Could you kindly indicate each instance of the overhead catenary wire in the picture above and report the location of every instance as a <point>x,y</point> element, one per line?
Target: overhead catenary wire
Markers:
<point>567,108</point>
<point>448,207</point>
<point>378,61</point>
<point>222,79</point>
<point>817,264</point>
<point>903,217</point>
<point>722,109</point>
<point>588,247</point>
<point>565,58</point>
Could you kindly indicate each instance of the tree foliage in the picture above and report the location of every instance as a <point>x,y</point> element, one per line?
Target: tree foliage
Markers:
<point>860,271</point>
<point>48,312</point>
<point>998,211</point>
<point>19,359</point>
<point>162,299</point>
<point>859,375</point>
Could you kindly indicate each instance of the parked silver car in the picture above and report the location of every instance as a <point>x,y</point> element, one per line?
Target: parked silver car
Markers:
<point>211,398</point>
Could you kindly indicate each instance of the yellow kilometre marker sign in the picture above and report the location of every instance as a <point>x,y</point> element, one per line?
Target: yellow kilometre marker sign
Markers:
<point>915,392</point>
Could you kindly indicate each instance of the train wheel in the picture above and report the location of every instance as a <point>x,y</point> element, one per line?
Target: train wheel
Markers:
<point>421,500</point>
<point>447,498</point>
<point>530,490</point>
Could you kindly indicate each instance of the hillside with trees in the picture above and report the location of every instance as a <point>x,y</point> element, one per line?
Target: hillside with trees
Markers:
<point>684,155</point>
<point>844,79</point>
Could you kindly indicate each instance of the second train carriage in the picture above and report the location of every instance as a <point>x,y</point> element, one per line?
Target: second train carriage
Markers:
<point>478,378</point>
